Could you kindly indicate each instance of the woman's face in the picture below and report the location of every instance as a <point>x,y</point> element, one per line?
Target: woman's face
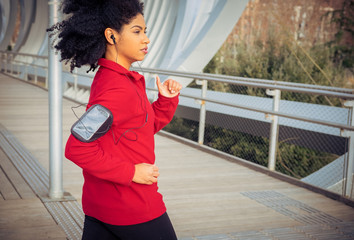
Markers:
<point>132,43</point>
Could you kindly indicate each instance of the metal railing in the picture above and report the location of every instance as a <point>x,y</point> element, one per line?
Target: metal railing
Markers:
<point>18,65</point>
<point>24,65</point>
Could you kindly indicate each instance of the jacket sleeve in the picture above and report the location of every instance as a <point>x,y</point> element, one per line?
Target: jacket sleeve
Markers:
<point>101,164</point>
<point>164,109</point>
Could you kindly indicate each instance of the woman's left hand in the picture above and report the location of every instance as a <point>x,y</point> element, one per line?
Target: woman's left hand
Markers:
<point>169,88</point>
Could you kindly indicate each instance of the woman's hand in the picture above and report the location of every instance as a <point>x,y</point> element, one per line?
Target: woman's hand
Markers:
<point>169,88</point>
<point>146,173</point>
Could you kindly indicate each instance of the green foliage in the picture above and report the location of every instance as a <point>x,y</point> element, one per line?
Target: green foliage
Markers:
<point>278,61</point>
<point>292,160</point>
<point>342,52</point>
<point>299,162</point>
<point>183,127</point>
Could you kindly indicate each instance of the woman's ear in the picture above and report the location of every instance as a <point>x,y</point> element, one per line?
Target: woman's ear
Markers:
<point>110,36</point>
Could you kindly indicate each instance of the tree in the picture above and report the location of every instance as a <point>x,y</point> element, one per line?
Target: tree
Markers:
<point>342,44</point>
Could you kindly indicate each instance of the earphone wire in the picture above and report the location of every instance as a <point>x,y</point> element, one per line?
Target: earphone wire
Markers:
<point>141,102</point>
<point>72,109</point>
<point>146,116</point>
<point>79,119</point>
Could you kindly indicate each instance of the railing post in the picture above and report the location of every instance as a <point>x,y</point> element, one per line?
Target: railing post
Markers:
<point>25,74</point>
<point>274,129</point>
<point>46,78</point>
<point>17,70</point>
<point>2,62</point>
<point>35,75</point>
<point>350,154</point>
<point>75,84</point>
<point>12,64</point>
<point>6,64</point>
<point>55,113</point>
<point>202,113</point>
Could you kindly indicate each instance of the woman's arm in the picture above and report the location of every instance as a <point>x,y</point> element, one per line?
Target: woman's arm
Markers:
<point>91,158</point>
<point>101,164</point>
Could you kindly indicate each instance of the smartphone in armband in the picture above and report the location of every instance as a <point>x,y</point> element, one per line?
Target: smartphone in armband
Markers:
<point>93,124</point>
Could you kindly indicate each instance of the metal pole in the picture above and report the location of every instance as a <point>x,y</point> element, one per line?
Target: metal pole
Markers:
<point>75,84</point>
<point>274,130</point>
<point>25,74</point>
<point>55,113</point>
<point>7,63</point>
<point>46,77</point>
<point>202,114</point>
<point>35,75</point>
<point>350,164</point>
<point>12,64</point>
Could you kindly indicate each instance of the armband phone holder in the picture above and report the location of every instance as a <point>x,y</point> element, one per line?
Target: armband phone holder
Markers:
<point>93,124</point>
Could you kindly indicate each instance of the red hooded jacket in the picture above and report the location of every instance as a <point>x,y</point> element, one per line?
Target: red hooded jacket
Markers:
<point>109,194</point>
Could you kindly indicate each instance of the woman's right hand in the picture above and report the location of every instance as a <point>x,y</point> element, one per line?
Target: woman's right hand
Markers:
<point>169,88</point>
<point>146,173</point>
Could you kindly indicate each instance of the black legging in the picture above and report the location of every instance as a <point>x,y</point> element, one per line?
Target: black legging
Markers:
<point>157,229</point>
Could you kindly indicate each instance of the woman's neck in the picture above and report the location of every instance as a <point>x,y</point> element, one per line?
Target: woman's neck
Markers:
<point>111,54</point>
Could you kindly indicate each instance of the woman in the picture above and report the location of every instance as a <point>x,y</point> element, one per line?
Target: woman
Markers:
<point>120,194</point>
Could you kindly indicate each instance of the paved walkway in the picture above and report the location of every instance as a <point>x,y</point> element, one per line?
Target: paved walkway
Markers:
<point>207,197</point>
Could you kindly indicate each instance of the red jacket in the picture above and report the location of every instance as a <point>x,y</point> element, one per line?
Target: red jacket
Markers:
<point>108,192</point>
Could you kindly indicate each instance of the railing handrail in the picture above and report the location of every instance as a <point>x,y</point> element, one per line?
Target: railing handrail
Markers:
<point>31,64</point>
<point>345,93</point>
<point>24,54</point>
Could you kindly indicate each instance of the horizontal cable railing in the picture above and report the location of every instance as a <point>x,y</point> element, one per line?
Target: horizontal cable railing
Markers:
<point>302,129</point>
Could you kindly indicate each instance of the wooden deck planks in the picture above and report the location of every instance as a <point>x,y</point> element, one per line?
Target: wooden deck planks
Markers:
<point>202,192</point>
<point>8,192</point>
<point>22,214</point>
<point>19,187</point>
<point>27,219</point>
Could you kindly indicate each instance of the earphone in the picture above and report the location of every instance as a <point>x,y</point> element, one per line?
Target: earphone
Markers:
<point>113,38</point>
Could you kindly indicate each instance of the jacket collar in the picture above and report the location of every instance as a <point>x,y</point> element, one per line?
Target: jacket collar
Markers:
<point>118,68</point>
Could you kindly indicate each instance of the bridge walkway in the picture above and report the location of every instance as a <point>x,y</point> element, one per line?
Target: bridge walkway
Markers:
<point>207,197</point>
